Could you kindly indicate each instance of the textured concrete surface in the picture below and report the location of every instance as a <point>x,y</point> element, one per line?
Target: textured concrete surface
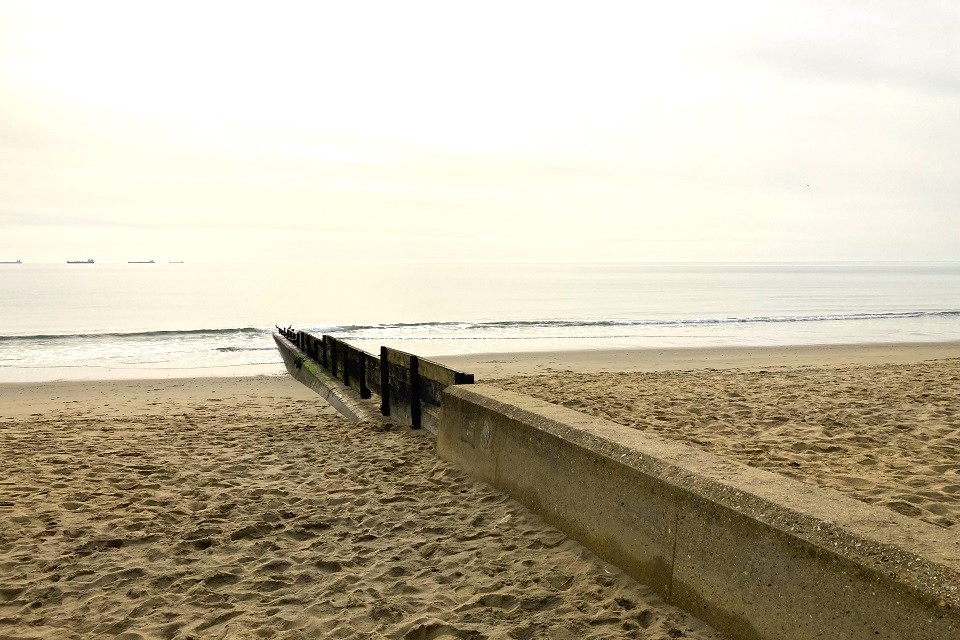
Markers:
<point>752,553</point>
<point>308,372</point>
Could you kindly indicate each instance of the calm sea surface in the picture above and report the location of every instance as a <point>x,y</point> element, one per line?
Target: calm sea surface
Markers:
<point>127,320</point>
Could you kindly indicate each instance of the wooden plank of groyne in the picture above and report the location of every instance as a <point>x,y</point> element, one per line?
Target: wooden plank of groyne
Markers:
<point>442,374</point>
<point>431,391</point>
<point>329,347</point>
<point>372,373</point>
<point>437,372</point>
<point>351,376</point>
<point>754,554</point>
<point>355,374</point>
<point>400,358</point>
<point>415,408</point>
<point>398,393</point>
<point>344,359</point>
<point>419,391</point>
<point>398,386</point>
<point>362,374</point>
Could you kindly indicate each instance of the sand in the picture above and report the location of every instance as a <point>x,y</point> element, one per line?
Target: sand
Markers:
<point>887,434</point>
<point>244,507</point>
<point>498,365</point>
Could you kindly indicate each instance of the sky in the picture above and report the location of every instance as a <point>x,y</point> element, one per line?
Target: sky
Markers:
<point>484,131</point>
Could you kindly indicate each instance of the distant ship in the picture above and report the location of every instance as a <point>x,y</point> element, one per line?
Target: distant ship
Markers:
<point>139,261</point>
<point>87,261</point>
<point>10,262</point>
<point>176,262</point>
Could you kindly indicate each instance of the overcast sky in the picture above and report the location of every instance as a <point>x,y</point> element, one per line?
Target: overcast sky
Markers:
<point>554,131</point>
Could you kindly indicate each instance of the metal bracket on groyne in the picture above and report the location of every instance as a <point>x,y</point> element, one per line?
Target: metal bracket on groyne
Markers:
<point>410,387</point>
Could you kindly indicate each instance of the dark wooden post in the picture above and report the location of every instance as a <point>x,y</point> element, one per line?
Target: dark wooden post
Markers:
<point>415,392</point>
<point>323,351</point>
<point>346,364</point>
<point>384,383</point>
<point>362,373</point>
<point>333,356</point>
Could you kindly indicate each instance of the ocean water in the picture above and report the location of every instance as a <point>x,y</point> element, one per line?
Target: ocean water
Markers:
<point>121,320</point>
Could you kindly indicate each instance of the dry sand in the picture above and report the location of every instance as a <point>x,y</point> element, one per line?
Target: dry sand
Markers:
<point>243,507</point>
<point>498,365</point>
<point>887,434</point>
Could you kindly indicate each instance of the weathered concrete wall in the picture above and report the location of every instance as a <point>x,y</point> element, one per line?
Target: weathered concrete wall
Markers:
<point>755,554</point>
<point>331,389</point>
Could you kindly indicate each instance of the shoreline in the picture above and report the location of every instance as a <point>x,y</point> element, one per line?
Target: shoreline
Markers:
<point>39,375</point>
<point>492,365</point>
<point>496,365</point>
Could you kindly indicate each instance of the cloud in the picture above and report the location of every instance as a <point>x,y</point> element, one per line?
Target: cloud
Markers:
<point>912,47</point>
<point>708,131</point>
<point>35,219</point>
<point>839,62</point>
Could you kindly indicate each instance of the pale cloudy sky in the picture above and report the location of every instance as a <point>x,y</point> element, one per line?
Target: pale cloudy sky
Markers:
<point>555,131</point>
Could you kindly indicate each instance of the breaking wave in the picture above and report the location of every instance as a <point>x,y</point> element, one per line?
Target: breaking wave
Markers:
<point>136,335</point>
<point>522,325</point>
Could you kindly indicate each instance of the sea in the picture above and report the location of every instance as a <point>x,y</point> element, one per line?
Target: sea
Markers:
<point>100,321</point>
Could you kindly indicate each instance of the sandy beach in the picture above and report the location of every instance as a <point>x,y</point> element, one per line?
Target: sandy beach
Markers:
<point>244,507</point>
<point>490,366</point>
<point>880,423</point>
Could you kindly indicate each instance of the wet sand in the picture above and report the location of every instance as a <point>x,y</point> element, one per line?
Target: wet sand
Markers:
<point>244,507</point>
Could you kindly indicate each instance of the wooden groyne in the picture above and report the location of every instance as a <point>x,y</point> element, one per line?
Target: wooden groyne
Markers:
<point>410,388</point>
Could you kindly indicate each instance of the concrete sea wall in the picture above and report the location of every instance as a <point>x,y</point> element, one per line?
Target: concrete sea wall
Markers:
<point>755,554</point>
